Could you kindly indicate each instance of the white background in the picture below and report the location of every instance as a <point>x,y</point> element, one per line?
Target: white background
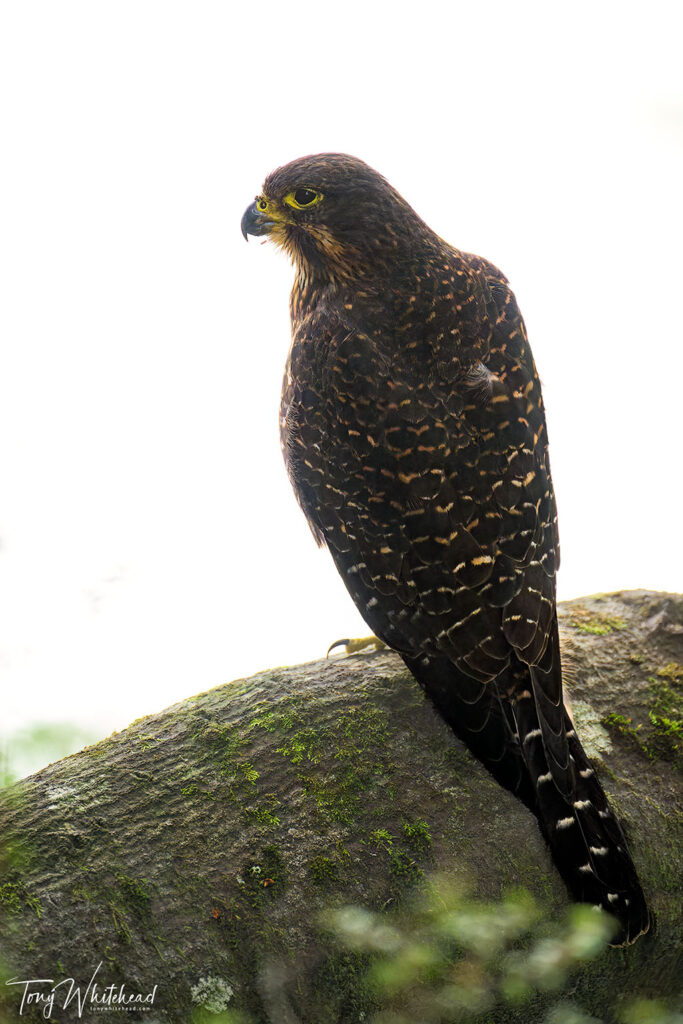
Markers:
<point>151,546</point>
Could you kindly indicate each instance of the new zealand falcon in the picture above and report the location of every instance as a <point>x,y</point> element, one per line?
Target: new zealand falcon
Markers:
<point>414,435</point>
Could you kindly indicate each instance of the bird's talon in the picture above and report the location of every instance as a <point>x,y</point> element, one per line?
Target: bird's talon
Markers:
<point>359,645</point>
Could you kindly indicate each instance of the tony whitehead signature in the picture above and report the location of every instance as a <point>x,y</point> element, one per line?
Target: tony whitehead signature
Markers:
<point>94,997</point>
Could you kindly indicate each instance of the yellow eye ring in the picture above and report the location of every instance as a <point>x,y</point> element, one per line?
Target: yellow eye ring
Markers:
<point>303,198</point>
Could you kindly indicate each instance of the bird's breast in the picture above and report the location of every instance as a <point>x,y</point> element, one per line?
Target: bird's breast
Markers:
<point>365,433</point>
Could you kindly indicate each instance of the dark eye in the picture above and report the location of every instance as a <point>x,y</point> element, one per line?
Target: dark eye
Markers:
<point>302,198</point>
<point>305,196</point>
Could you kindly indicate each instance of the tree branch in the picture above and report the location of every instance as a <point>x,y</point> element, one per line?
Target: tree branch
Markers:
<point>193,850</point>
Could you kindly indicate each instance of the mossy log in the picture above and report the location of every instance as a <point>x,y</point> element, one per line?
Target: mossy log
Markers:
<point>194,850</point>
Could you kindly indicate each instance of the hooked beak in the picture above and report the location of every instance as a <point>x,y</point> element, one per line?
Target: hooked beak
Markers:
<point>254,222</point>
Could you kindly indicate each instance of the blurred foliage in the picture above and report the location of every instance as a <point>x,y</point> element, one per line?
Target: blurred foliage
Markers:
<point>649,1011</point>
<point>446,958</point>
<point>450,958</point>
<point>27,750</point>
<point>204,1016</point>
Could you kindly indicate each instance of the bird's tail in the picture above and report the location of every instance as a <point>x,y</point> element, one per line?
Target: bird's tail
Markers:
<point>500,723</point>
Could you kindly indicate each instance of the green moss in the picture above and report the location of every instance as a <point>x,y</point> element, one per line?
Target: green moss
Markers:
<point>193,790</point>
<point>350,746</point>
<point>135,893</point>
<point>231,763</point>
<point>228,745</point>
<point>664,738</point>
<point>324,871</point>
<point>343,855</point>
<point>418,836</point>
<point>287,716</point>
<point>80,894</point>
<point>120,925</point>
<point>225,744</point>
<point>14,897</point>
<point>334,802</point>
<point>402,862</point>
<point>380,837</point>
<point>146,741</point>
<point>248,771</point>
<point>351,742</point>
<point>620,725</point>
<point>673,672</point>
<point>596,623</point>
<point>263,814</point>
<point>10,899</point>
<point>669,727</point>
<point>304,745</point>
<point>665,715</point>
<point>402,865</point>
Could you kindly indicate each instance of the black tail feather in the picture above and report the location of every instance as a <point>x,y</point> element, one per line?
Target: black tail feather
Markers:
<point>480,718</point>
<point>500,723</point>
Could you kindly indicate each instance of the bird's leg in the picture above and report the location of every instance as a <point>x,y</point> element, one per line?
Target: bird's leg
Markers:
<point>361,645</point>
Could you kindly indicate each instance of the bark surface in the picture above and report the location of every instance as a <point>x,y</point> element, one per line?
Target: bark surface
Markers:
<point>194,850</point>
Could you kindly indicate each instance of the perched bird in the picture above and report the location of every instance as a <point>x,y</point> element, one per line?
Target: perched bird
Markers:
<point>413,430</point>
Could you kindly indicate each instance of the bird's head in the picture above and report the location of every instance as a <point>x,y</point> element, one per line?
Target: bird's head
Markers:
<point>336,217</point>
